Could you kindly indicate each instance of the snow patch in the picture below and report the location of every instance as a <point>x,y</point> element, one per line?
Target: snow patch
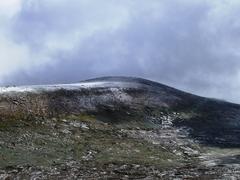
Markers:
<point>75,86</point>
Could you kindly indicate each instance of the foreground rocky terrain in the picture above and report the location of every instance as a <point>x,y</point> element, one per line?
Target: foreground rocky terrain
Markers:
<point>116,128</point>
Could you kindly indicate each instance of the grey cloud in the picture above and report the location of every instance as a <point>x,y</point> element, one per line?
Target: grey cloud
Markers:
<point>189,45</point>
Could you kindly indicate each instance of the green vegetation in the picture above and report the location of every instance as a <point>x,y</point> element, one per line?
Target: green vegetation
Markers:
<point>80,138</point>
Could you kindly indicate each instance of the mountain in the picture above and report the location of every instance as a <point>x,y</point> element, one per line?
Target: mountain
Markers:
<point>116,127</point>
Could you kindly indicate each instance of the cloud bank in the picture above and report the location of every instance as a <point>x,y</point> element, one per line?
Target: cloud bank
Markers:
<point>192,45</point>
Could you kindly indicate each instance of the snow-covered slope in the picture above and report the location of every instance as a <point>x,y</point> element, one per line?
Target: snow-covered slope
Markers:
<point>123,100</point>
<point>117,128</point>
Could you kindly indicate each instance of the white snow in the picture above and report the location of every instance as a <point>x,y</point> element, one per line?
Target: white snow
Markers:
<point>37,88</point>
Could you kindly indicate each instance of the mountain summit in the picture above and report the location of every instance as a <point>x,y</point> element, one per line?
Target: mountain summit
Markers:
<point>114,122</point>
<point>121,100</point>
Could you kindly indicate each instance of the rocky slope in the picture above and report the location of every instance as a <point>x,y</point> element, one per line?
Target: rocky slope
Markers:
<point>116,127</point>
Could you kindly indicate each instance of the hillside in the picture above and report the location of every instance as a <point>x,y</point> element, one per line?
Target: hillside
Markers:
<point>116,127</point>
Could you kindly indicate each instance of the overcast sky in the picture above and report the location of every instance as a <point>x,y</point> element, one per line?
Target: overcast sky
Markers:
<point>193,45</point>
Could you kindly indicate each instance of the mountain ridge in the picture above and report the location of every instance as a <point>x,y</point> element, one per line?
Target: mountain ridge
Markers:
<point>124,99</point>
<point>116,127</point>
